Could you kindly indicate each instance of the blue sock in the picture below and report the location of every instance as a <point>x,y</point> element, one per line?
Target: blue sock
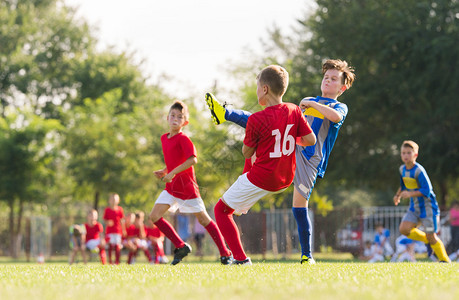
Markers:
<point>237,116</point>
<point>304,229</point>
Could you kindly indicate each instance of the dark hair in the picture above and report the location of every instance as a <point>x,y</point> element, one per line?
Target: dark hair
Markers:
<point>181,107</point>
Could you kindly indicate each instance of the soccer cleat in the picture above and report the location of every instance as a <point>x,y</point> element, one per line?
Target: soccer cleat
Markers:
<point>245,262</point>
<point>216,109</point>
<point>307,260</point>
<point>180,253</point>
<point>226,260</point>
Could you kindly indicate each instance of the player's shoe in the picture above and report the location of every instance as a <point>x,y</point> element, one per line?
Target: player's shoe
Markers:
<point>307,260</point>
<point>180,253</point>
<point>216,109</point>
<point>245,262</point>
<point>226,260</point>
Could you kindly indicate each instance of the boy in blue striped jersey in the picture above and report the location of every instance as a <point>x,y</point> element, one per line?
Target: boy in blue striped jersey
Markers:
<point>415,185</point>
<point>325,115</point>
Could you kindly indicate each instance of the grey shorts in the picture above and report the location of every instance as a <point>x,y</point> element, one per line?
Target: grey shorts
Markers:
<point>305,174</point>
<point>430,223</point>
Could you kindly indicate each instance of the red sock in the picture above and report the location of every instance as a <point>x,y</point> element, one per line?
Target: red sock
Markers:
<point>216,235</point>
<point>229,230</point>
<point>117,254</point>
<point>159,249</point>
<point>147,254</point>
<point>102,255</point>
<point>110,249</point>
<point>130,255</point>
<point>170,232</point>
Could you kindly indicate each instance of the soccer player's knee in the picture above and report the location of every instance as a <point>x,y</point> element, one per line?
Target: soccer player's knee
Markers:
<point>404,230</point>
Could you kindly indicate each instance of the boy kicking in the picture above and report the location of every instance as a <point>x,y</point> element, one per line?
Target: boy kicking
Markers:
<point>325,115</point>
<point>415,185</point>
<point>182,190</point>
<point>270,135</point>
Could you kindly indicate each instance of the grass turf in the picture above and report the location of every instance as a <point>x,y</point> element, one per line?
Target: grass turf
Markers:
<point>263,280</point>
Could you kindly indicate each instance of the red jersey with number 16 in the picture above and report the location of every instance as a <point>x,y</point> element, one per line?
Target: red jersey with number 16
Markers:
<point>273,132</point>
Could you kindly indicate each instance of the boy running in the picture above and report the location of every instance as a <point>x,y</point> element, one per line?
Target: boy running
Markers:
<point>271,135</point>
<point>182,190</point>
<point>415,185</point>
<point>325,115</point>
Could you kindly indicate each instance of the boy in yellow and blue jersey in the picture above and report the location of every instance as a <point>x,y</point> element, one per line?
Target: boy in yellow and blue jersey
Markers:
<point>415,185</point>
<point>325,114</point>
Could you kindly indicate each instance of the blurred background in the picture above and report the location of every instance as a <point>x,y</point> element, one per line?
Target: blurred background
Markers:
<point>85,87</point>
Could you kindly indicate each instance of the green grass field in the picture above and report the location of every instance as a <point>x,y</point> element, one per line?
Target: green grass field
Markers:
<point>210,280</point>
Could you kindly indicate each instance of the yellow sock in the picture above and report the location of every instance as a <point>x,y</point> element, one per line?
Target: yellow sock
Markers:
<point>418,235</point>
<point>440,251</point>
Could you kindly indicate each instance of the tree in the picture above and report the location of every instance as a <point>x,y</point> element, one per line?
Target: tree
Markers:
<point>40,43</point>
<point>27,147</point>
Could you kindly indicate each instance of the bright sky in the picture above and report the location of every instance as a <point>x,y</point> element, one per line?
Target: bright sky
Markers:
<point>190,40</point>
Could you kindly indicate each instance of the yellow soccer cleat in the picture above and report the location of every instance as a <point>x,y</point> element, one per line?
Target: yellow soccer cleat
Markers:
<point>216,109</point>
<point>307,260</point>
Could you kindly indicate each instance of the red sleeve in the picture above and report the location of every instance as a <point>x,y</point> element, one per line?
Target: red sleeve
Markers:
<point>105,214</point>
<point>188,147</point>
<point>100,227</point>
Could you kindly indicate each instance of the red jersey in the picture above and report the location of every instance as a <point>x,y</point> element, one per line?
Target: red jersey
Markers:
<point>132,231</point>
<point>273,132</point>
<point>93,231</point>
<point>153,232</point>
<point>116,215</point>
<point>177,150</point>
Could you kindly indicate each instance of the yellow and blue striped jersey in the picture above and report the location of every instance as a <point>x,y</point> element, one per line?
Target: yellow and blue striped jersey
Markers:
<point>326,132</point>
<point>416,179</point>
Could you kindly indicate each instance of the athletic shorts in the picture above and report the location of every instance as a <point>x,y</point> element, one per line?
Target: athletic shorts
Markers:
<point>305,174</point>
<point>93,244</point>
<point>184,206</point>
<point>114,238</point>
<point>243,194</point>
<point>430,223</point>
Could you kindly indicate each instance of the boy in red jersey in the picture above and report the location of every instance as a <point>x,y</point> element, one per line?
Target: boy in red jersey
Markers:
<point>271,135</point>
<point>182,190</point>
<point>136,235</point>
<point>95,241</point>
<point>155,241</point>
<point>114,227</point>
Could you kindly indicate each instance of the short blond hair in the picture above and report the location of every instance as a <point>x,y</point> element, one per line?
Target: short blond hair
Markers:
<point>342,66</point>
<point>410,144</point>
<point>275,77</point>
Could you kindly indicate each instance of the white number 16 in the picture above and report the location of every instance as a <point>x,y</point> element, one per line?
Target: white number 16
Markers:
<point>288,144</point>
